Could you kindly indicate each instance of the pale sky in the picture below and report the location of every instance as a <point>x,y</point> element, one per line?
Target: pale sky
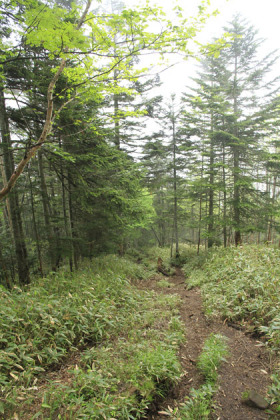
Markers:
<point>263,15</point>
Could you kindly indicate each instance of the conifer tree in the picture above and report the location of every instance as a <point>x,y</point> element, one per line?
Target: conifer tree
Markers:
<point>229,116</point>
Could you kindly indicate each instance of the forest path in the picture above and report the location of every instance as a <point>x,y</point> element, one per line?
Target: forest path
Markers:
<point>248,365</point>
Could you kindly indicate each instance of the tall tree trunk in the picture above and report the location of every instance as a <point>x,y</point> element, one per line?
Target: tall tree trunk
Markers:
<point>211,192</point>
<point>47,212</point>
<point>200,208</point>
<point>66,213</point>
<point>71,221</point>
<point>4,270</point>
<point>66,222</point>
<point>236,199</point>
<point>270,223</point>
<point>4,178</point>
<point>117,140</point>
<point>192,223</point>
<point>20,246</point>
<point>225,199</point>
<point>37,239</point>
<point>236,165</point>
<point>175,190</point>
<point>199,224</point>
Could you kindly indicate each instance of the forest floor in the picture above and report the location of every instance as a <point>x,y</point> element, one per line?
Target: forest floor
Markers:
<point>248,366</point>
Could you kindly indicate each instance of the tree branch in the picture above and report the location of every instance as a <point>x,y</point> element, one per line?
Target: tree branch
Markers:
<point>49,117</point>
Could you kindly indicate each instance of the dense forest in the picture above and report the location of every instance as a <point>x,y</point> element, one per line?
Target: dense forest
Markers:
<point>93,162</point>
<point>98,166</point>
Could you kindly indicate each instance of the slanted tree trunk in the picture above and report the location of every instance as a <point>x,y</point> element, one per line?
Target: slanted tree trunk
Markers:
<point>8,159</point>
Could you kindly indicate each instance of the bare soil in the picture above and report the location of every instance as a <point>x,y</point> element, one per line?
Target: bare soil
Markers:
<point>248,366</point>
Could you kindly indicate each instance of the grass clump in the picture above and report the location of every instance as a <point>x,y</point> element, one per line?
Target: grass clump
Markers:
<point>128,340</point>
<point>274,393</point>
<point>199,404</point>
<point>214,352</point>
<point>164,283</point>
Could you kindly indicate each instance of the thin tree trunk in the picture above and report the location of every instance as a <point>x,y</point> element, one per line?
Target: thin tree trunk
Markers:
<point>192,223</point>
<point>270,223</point>
<point>236,200</point>
<point>236,167</point>
<point>199,221</point>
<point>211,192</point>
<point>71,220</point>
<point>200,207</point>
<point>177,254</point>
<point>4,269</point>
<point>8,208</point>
<point>66,212</point>
<point>46,212</point>
<point>37,239</point>
<point>117,140</point>
<point>157,237</point>
<point>225,200</point>
<point>66,223</point>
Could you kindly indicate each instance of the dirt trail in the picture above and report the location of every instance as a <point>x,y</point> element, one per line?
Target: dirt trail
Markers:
<point>248,366</point>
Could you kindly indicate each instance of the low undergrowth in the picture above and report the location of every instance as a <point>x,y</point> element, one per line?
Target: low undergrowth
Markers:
<point>128,341</point>
<point>199,404</point>
<point>243,286</point>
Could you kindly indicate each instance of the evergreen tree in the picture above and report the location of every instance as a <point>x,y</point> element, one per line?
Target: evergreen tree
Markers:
<point>229,117</point>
